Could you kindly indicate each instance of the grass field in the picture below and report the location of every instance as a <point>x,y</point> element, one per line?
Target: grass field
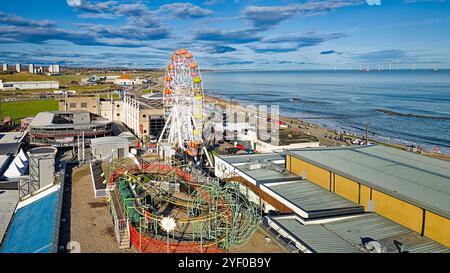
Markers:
<point>20,109</point>
<point>89,88</point>
<point>106,96</point>
<point>63,80</point>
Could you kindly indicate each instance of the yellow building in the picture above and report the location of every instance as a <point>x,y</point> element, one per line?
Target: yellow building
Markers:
<point>408,188</point>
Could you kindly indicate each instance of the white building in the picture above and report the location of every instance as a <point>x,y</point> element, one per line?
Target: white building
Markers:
<point>38,70</point>
<point>112,110</point>
<point>28,85</point>
<point>5,67</point>
<point>17,68</point>
<point>111,78</point>
<point>124,80</point>
<point>278,145</point>
<point>54,69</point>
<point>31,68</point>
<point>139,81</point>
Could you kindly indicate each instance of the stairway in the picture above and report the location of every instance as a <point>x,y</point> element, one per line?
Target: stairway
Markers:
<point>124,239</point>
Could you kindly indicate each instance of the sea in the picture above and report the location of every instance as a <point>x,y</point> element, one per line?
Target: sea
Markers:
<point>410,107</point>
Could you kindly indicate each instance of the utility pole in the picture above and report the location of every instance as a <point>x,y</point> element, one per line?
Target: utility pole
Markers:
<point>83,147</point>
<point>367,133</point>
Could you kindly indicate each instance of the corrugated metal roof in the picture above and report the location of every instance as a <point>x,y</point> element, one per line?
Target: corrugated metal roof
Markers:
<point>237,159</point>
<point>8,203</point>
<point>316,237</point>
<point>345,235</point>
<point>314,200</point>
<point>152,96</point>
<point>414,178</point>
<point>268,173</point>
<point>385,231</point>
<point>34,228</point>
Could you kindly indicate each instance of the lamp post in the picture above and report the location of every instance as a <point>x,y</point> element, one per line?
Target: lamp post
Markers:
<point>168,224</point>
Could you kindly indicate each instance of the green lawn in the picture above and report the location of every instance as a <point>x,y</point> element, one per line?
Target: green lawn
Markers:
<point>106,96</point>
<point>20,109</point>
<point>63,80</point>
<point>90,88</point>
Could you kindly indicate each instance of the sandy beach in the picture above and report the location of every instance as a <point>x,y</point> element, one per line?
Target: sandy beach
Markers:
<point>321,133</point>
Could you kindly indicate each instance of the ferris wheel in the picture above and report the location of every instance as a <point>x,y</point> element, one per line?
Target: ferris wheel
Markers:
<point>183,101</point>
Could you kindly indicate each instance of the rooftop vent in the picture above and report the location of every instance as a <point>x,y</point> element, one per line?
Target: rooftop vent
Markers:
<point>371,246</point>
<point>254,166</point>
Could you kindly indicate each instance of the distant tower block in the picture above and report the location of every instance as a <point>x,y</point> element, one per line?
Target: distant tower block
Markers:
<point>42,167</point>
<point>31,68</point>
<point>18,68</point>
<point>54,69</point>
<point>5,67</point>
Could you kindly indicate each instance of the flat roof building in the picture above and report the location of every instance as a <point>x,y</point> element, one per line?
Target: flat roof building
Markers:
<point>310,201</point>
<point>8,203</point>
<point>30,85</point>
<point>315,210</point>
<point>110,147</point>
<point>145,117</point>
<point>35,225</point>
<point>11,137</point>
<point>61,128</point>
<point>410,189</point>
<point>347,235</point>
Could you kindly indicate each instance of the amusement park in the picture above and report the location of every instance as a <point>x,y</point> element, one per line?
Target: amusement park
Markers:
<point>174,204</point>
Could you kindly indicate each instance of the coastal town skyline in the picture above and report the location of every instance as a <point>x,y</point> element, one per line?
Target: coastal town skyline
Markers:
<point>228,34</point>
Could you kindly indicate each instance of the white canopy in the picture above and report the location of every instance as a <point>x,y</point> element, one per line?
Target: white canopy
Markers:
<point>18,167</point>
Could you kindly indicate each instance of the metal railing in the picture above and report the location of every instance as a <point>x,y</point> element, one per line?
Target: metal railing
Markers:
<point>120,225</point>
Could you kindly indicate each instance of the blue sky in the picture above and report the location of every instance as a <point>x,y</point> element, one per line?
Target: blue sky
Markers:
<point>227,34</point>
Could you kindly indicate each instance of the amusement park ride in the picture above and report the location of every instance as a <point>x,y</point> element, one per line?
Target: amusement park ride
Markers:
<point>172,206</point>
<point>183,103</point>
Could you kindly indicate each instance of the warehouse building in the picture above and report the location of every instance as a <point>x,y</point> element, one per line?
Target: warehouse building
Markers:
<point>304,213</point>
<point>410,189</point>
<point>263,179</point>
<point>365,233</point>
<point>310,201</point>
<point>28,85</point>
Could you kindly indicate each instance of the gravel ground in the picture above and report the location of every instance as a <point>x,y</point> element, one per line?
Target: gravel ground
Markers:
<point>90,222</point>
<point>258,244</point>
